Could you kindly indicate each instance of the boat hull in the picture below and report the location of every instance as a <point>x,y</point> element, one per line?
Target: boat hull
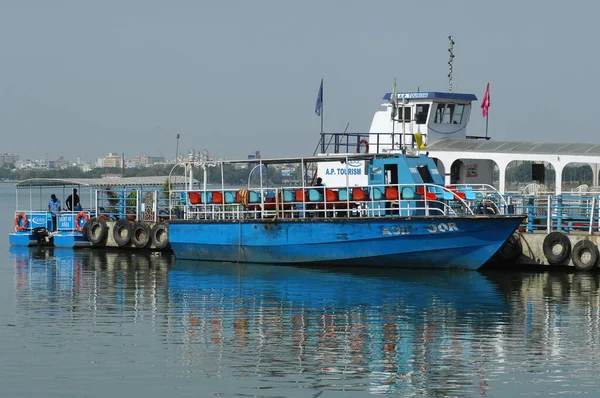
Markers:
<point>436,242</point>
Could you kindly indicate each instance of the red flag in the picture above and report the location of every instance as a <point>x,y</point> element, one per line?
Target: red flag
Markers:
<point>485,104</point>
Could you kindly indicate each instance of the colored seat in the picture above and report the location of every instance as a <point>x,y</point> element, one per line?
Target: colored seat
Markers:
<point>254,197</point>
<point>343,194</point>
<point>229,197</point>
<point>288,196</point>
<point>206,197</point>
<point>376,194</point>
<point>391,193</point>
<point>217,197</point>
<point>408,193</point>
<point>331,195</point>
<point>440,193</point>
<point>468,191</point>
<point>358,194</point>
<point>194,198</point>
<point>427,195</point>
<point>314,195</point>
<point>301,195</point>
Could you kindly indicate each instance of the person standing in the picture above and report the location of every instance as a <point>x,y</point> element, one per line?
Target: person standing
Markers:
<point>54,209</point>
<point>73,203</point>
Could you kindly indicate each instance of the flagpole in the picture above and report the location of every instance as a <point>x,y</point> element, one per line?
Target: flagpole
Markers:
<point>487,118</point>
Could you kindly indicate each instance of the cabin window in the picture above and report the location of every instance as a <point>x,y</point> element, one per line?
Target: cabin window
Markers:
<point>425,174</point>
<point>406,113</point>
<point>421,112</point>
<point>449,113</point>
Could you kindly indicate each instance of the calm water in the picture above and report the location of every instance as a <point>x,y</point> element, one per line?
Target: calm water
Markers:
<point>88,323</point>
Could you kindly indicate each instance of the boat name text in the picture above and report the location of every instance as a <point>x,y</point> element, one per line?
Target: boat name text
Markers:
<point>342,171</point>
<point>396,230</point>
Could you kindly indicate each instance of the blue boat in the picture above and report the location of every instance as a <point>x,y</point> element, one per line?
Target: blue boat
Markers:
<point>127,199</point>
<point>403,217</point>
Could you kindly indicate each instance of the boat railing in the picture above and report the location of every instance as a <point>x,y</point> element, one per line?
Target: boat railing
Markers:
<point>334,202</point>
<point>359,142</point>
<point>573,212</point>
<point>66,221</point>
<point>146,205</point>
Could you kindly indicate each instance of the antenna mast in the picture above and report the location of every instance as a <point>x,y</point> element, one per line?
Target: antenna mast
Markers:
<point>451,62</point>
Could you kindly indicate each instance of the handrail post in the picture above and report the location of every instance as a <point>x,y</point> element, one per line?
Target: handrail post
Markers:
<point>530,214</point>
<point>592,215</point>
<point>559,209</point>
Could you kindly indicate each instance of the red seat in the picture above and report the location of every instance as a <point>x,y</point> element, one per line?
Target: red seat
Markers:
<point>195,198</point>
<point>301,196</point>
<point>217,197</point>
<point>454,190</point>
<point>358,194</point>
<point>391,193</point>
<point>331,195</point>
<point>427,195</point>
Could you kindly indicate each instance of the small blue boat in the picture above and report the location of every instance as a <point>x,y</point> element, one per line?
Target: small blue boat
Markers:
<point>403,217</point>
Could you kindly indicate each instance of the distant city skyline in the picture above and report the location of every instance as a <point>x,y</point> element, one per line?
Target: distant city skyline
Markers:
<point>85,79</point>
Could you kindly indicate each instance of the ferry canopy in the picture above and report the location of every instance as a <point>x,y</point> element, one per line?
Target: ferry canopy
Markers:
<point>432,95</point>
<point>153,181</point>
<point>514,147</point>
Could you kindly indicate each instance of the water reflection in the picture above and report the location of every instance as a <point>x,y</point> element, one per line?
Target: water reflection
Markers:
<point>280,328</point>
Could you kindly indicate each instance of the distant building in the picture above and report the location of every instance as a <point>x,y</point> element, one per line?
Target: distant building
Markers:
<point>145,161</point>
<point>8,158</point>
<point>112,160</point>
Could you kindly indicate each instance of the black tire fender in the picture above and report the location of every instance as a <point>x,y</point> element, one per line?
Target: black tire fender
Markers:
<point>552,242</point>
<point>97,232</point>
<point>122,232</point>
<point>584,255</point>
<point>160,235</point>
<point>86,227</point>
<point>141,235</point>
<point>512,249</point>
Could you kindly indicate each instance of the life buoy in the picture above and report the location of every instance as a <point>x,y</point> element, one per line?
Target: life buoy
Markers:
<point>243,197</point>
<point>160,235</point>
<point>21,221</point>
<point>81,215</point>
<point>361,142</point>
<point>97,231</point>
<point>557,248</point>
<point>140,236</point>
<point>122,232</point>
<point>585,255</point>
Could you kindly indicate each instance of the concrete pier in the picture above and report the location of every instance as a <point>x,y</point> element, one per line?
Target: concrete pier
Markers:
<point>533,247</point>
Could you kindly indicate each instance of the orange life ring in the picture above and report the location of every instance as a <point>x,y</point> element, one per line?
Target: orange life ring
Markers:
<point>18,218</point>
<point>80,215</point>
<point>365,142</point>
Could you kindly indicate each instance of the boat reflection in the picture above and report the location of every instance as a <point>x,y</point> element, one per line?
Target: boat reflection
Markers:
<point>387,331</point>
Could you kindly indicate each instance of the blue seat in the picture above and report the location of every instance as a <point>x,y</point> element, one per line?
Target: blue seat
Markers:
<point>207,197</point>
<point>288,196</point>
<point>468,191</point>
<point>441,194</point>
<point>409,193</point>
<point>343,194</point>
<point>376,194</point>
<point>254,197</point>
<point>229,197</point>
<point>315,196</point>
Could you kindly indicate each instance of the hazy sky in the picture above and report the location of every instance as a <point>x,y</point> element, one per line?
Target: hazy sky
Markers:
<point>82,78</point>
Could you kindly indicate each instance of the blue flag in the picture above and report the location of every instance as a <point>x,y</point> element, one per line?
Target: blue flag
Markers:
<point>319,106</point>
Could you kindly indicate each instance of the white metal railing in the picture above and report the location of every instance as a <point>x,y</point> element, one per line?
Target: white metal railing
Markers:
<point>335,202</point>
